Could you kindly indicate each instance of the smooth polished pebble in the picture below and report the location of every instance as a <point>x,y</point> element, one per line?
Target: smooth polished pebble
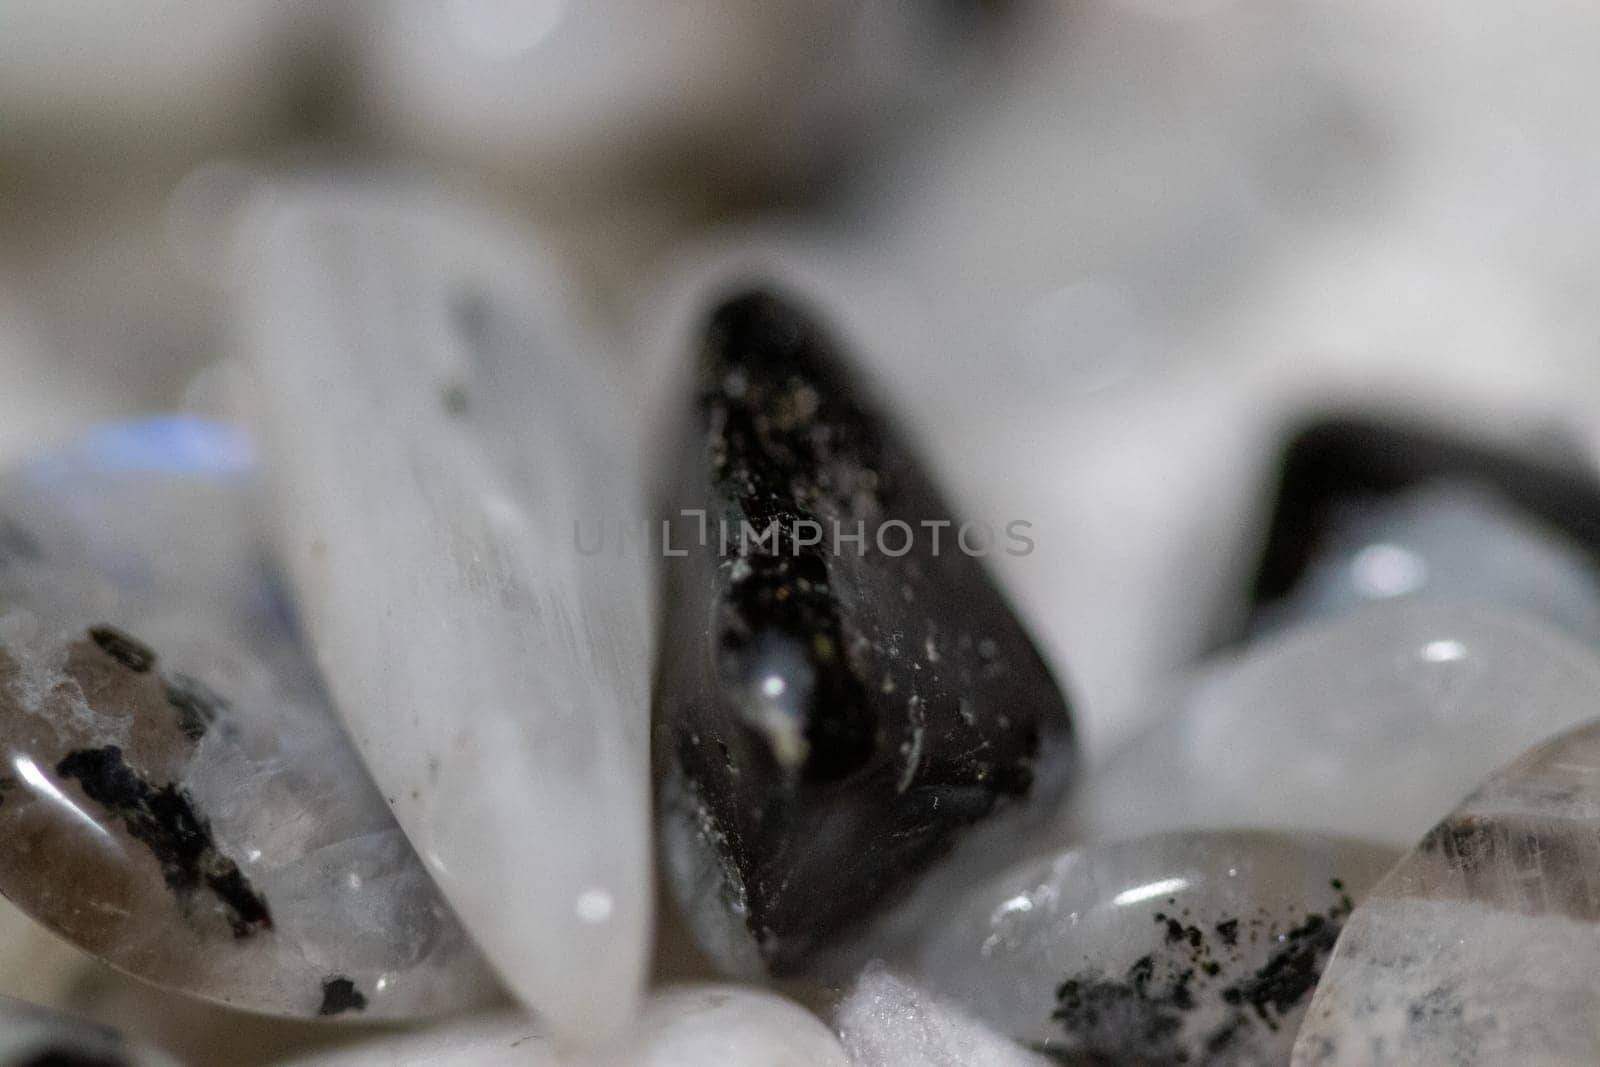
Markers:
<point>1174,948</point>
<point>177,797</point>
<point>684,1026</point>
<point>1371,726</point>
<point>1482,947</point>
<point>439,419</point>
<point>31,1036</point>
<point>835,720</point>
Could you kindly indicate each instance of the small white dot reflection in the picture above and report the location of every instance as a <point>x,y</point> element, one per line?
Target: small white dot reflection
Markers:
<point>1384,571</point>
<point>1150,891</point>
<point>595,906</point>
<point>773,686</point>
<point>504,29</point>
<point>1444,651</point>
<point>30,773</point>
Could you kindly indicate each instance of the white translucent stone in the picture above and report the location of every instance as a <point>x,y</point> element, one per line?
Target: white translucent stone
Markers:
<point>886,1021</point>
<point>438,422</point>
<point>1454,541</point>
<point>178,798</point>
<point>1481,946</point>
<point>1198,948</point>
<point>1370,726</point>
<point>687,1026</point>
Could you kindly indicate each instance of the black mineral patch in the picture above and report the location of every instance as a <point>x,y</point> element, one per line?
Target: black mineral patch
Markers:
<point>832,717</point>
<point>340,995</point>
<point>164,820</point>
<point>1141,1017</point>
<point>126,650</point>
<point>197,707</point>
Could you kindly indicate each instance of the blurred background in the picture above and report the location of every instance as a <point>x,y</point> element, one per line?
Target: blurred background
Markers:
<point>1107,255</point>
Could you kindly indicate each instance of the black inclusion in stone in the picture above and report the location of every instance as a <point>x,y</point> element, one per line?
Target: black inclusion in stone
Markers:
<point>1336,464</point>
<point>340,995</point>
<point>194,704</point>
<point>124,648</point>
<point>164,820</point>
<point>830,718</point>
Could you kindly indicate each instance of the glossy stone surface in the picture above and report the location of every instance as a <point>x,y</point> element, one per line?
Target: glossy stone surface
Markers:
<point>1368,509</point>
<point>682,1026</point>
<point>887,1021</point>
<point>438,422</point>
<point>1197,948</point>
<point>1456,541</point>
<point>1481,946</point>
<point>177,797</point>
<point>1374,726</point>
<point>832,718</point>
<point>32,1036</point>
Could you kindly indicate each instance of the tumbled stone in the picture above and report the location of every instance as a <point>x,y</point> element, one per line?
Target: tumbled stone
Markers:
<point>1371,726</point>
<point>1482,946</point>
<point>31,1036</point>
<point>680,1026</point>
<point>1456,541</point>
<point>176,796</point>
<point>887,1021</point>
<point>1192,948</point>
<point>1369,509</point>
<point>438,422</point>
<point>833,717</point>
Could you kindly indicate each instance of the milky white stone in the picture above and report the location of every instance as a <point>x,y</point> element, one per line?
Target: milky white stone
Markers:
<point>886,1021</point>
<point>687,1026</point>
<point>35,1035</point>
<point>1481,946</point>
<point>559,90</point>
<point>178,798</point>
<point>1373,725</point>
<point>437,426</point>
<point>1453,540</point>
<point>1200,945</point>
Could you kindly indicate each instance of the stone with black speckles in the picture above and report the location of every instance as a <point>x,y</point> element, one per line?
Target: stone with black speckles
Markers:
<point>1481,947</point>
<point>833,717</point>
<point>1134,952</point>
<point>179,800</point>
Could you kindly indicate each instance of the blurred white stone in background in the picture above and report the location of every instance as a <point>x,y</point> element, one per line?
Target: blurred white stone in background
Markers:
<point>681,1026</point>
<point>604,94</point>
<point>33,1035</point>
<point>146,77</point>
<point>1370,726</point>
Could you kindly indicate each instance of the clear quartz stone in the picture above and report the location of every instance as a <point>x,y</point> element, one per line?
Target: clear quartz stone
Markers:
<point>888,1021</point>
<point>176,796</point>
<point>1370,726</point>
<point>439,424</point>
<point>1480,947</point>
<point>1199,948</point>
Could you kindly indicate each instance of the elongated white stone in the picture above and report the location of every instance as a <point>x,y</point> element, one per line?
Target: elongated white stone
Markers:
<point>177,797</point>
<point>686,1026</point>
<point>1175,948</point>
<point>1371,726</point>
<point>1482,946</point>
<point>438,426</point>
<point>886,1021</point>
<point>31,1036</point>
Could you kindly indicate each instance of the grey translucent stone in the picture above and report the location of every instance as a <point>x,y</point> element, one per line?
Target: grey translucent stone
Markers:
<point>1373,725</point>
<point>31,1036</point>
<point>1483,945</point>
<point>176,796</point>
<point>1458,541</point>
<point>1198,948</point>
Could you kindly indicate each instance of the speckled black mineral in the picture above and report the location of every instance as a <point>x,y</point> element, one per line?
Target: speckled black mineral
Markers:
<point>832,715</point>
